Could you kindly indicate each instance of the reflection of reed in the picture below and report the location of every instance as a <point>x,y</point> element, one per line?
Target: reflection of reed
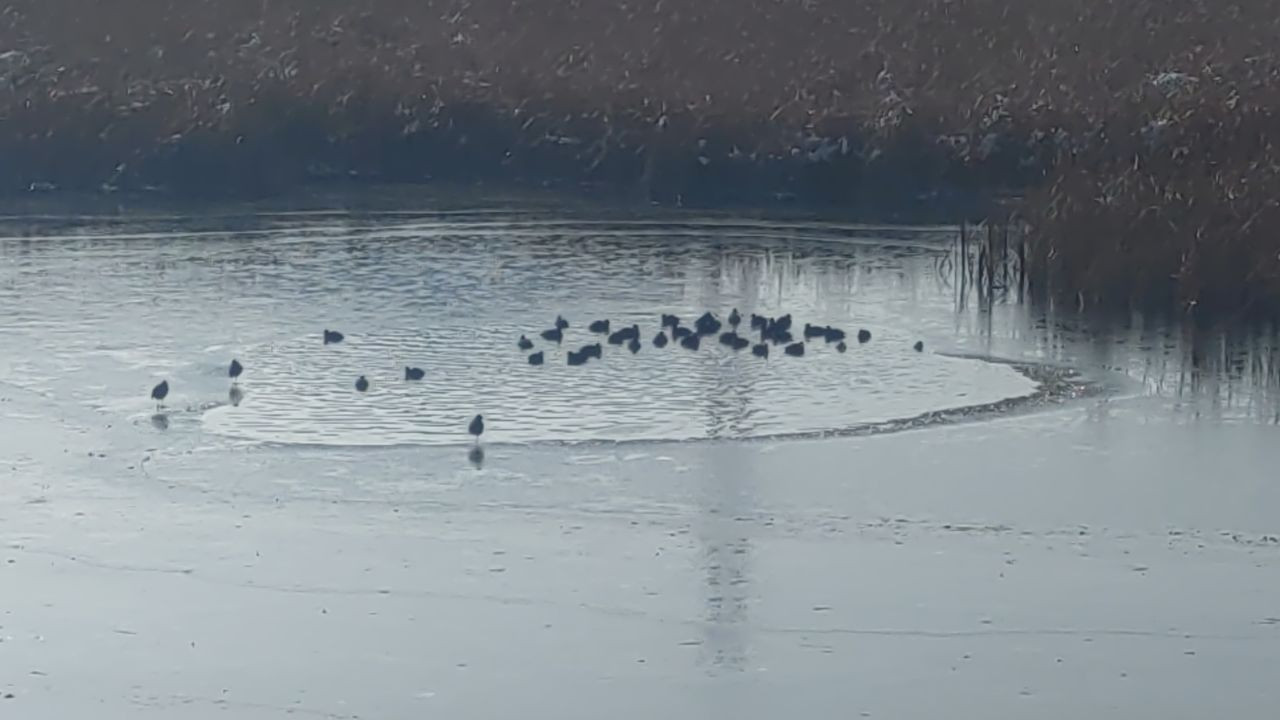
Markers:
<point>1212,371</point>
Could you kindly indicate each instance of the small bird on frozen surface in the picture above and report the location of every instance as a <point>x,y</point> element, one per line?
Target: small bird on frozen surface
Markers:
<point>413,373</point>
<point>362,384</point>
<point>476,427</point>
<point>333,336</point>
<point>159,393</point>
<point>234,371</point>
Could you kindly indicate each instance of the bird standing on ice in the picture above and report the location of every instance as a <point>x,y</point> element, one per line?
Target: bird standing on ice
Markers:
<point>159,393</point>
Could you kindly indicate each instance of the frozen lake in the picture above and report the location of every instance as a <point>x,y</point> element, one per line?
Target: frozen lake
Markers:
<point>875,533</point>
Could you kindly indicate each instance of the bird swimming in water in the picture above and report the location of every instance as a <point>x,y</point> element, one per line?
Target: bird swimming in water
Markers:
<point>577,358</point>
<point>159,393</point>
<point>595,351</point>
<point>864,336</point>
<point>554,335</point>
<point>362,384</point>
<point>525,343</point>
<point>600,327</point>
<point>680,333</point>
<point>740,343</point>
<point>634,345</point>
<point>625,334</point>
<point>413,373</point>
<point>776,331</point>
<point>813,331</point>
<point>834,335</point>
<point>660,340</point>
<point>537,358</point>
<point>561,323</point>
<point>333,336</point>
<point>734,319</point>
<point>795,349</point>
<point>727,338</point>
<point>919,346</point>
<point>760,351</point>
<point>783,323</point>
<point>691,341</point>
<point>759,322</point>
<point>707,324</point>
<point>476,427</point>
<point>234,371</point>
<point>670,321</point>
<point>841,347</point>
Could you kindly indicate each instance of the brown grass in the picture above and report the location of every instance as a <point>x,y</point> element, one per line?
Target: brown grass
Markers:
<point>828,101</point>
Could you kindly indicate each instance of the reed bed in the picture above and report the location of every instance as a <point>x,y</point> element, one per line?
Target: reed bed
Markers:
<point>1137,136</point>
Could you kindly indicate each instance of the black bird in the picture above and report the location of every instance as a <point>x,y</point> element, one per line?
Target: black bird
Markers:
<point>707,324</point>
<point>333,336</point>
<point>413,373</point>
<point>740,343</point>
<point>759,322</point>
<point>834,335</point>
<point>795,349</point>
<point>691,341</point>
<point>864,336</point>
<point>624,335</point>
<point>561,323</point>
<point>476,427</point>
<point>760,351</point>
<point>670,321</point>
<point>234,371</point>
<point>728,338</point>
<point>776,332</point>
<point>160,392</point>
<point>841,347</point>
<point>600,326</point>
<point>525,343</point>
<point>680,333</point>
<point>783,323</point>
<point>735,319</point>
<point>634,345</point>
<point>577,358</point>
<point>595,351</point>
<point>362,384</point>
<point>554,335</point>
<point>536,358</point>
<point>919,346</point>
<point>813,331</point>
<point>660,340</point>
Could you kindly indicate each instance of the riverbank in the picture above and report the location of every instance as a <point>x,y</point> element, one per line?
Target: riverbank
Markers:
<point>1139,143</point>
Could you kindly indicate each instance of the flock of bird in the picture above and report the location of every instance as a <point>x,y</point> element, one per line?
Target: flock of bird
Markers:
<point>773,331</point>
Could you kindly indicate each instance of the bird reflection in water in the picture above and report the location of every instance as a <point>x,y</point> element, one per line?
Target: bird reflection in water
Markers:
<point>476,456</point>
<point>160,421</point>
<point>235,396</point>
